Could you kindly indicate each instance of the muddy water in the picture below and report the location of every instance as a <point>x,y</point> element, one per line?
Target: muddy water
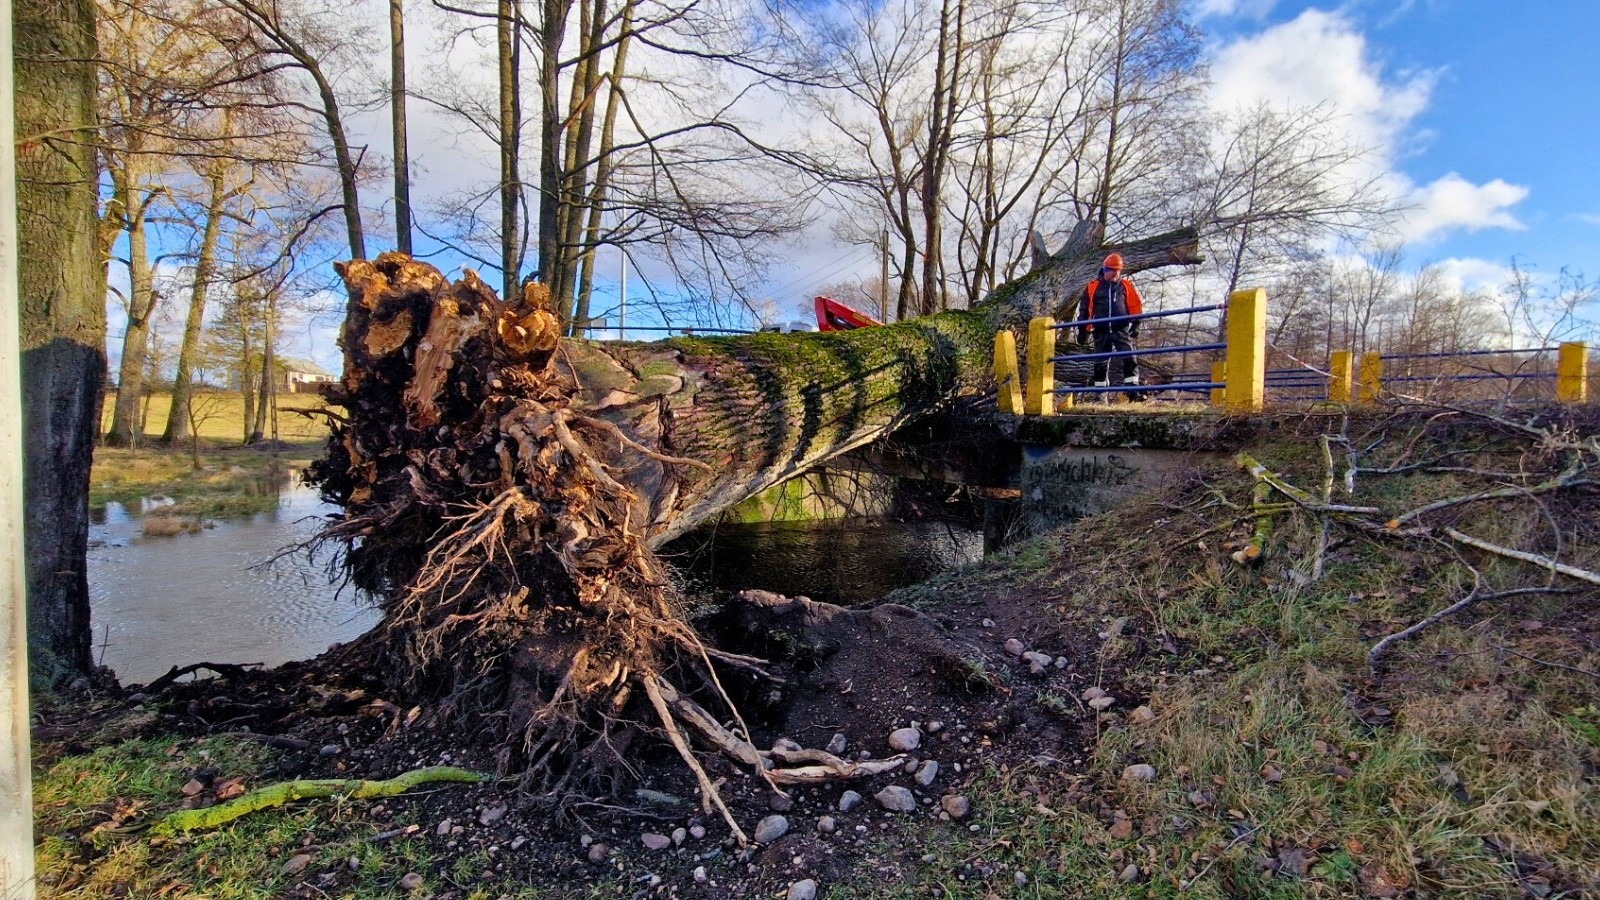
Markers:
<point>205,597</point>
<point>163,601</point>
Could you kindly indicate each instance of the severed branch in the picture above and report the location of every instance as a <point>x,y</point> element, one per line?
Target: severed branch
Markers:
<point>1474,597</point>
<point>1304,499</point>
<point>1543,562</point>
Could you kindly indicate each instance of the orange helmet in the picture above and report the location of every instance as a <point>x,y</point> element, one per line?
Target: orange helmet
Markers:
<point>1114,261</point>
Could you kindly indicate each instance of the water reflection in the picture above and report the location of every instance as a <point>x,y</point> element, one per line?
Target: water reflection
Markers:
<point>203,597</point>
<point>164,601</point>
<point>847,561</point>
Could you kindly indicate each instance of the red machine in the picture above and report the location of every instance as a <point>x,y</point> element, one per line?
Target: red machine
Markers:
<point>835,316</point>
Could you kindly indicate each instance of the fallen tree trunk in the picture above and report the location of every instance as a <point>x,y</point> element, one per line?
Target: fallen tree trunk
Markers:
<point>503,489</point>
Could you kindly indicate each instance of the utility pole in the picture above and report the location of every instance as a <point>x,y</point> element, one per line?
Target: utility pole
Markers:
<point>16,786</point>
<point>883,277</point>
<point>622,282</point>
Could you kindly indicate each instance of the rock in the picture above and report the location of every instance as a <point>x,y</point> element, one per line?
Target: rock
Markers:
<point>653,841</point>
<point>517,842</point>
<point>786,744</point>
<point>330,750</point>
<point>585,841</point>
<point>679,836</point>
<point>597,852</point>
<point>1094,693</point>
<point>297,864</point>
<point>410,882</point>
<point>1061,662</point>
<point>1130,874</point>
<point>444,828</point>
<point>927,772</point>
<point>988,623</point>
<point>1015,647</point>
<point>780,802</point>
<point>849,800</point>
<point>804,889</point>
<point>1037,669</point>
<point>903,740</point>
<point>1037,658</point>
<point>837,744</point>
<point>935,727</point>
<point>1140,772</point>
<point>1142,715</point>
<point>896,799</point>
<point>1101,704</point>
<point>698,832</point>
<point>826,825</point>
<point>770,829</point>
<point>1019,878</point>
<point>955,805</point>
<point>1122,827</point>
<point>911,765</point>
<point>699,874</point>
<point>492,814</point>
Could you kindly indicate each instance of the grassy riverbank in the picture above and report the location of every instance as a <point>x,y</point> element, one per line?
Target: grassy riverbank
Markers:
<point>1279,764</point>
<point>230,480</point>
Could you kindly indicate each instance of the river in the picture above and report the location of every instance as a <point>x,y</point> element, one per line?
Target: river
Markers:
<point>210,597</point>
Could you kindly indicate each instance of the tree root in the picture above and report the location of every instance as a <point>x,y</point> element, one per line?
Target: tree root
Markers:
<point>278,794</point>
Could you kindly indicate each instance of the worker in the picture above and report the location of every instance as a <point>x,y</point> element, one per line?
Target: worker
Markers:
<point>1105,297</point>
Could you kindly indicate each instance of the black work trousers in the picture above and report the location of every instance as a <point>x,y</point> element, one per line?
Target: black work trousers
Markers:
<point>1108,340</point>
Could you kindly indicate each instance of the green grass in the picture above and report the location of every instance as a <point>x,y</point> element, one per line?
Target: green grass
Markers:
<point>230,481</point>
<point>1262,754</point>
<point>90,809</point>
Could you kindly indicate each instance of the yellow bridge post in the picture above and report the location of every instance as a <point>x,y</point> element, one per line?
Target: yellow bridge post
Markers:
<point>1006,374</point>
<point>1041,398</point>
<point>1219,374</point>
<point>1342,368</point>
<point>1247,351</point>
<point>1371,377</point>
<point>1572,372</point>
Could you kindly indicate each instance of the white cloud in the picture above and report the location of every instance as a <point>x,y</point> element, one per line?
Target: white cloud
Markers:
<point>1453,202</point>
<point>1320,57</point>
<point>1323,58</point>
<point>1471,273</point>
<point>1588,218</point>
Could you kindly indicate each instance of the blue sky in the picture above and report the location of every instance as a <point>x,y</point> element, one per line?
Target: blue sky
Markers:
<point>1481,113</point>
<point>1484,109</point>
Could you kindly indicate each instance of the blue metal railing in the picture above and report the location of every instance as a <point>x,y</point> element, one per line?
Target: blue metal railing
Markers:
<point>1109,320</point>
<point>1455,353</point>
<point>1176,385</point>
<point>1149,351</point>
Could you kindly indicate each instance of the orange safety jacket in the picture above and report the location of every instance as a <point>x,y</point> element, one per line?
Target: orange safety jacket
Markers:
<point>1130,294</point>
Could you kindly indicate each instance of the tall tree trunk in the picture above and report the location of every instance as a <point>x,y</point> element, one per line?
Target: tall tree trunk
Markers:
<point>585,84</point>
<point>397,111</point>
<point>178,423</point>
<point>126,429</point>
<point>508,42</point>
<point>61,283</point>
<point>551,32</point>
<point>269,372</point>
<point>941,131</point>
<point>1109,169</point>
<point>602,175</point>
<point>247,386</point>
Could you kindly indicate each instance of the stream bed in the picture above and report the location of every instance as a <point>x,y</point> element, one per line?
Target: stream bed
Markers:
<point>209,596</point>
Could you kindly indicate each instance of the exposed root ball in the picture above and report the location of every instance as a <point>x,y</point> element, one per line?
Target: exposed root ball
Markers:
<point>491,518</point>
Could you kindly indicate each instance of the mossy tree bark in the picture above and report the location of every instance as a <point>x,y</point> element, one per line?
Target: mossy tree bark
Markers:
<point>503,487</point>
<point>62,290</point>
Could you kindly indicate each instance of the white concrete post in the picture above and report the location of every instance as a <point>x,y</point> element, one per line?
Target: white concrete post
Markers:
<point>16,791</point>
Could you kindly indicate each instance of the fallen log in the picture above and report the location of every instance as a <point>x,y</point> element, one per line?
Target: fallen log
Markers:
<point>503,489</point>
